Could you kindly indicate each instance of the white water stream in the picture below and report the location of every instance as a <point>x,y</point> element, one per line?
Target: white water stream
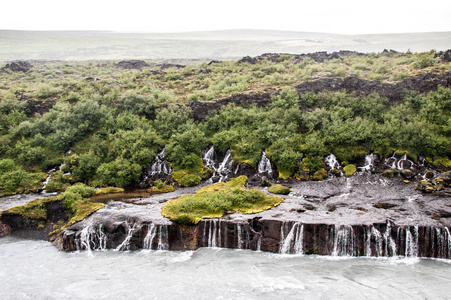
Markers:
<point>36,270</point>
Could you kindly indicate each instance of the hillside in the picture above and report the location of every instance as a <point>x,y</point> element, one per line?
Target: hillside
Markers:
<point>104,123</point>
<point>227,44</point>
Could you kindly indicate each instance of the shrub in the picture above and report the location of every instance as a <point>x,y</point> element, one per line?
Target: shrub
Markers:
<point>320,175</point>
<point>189,180</point>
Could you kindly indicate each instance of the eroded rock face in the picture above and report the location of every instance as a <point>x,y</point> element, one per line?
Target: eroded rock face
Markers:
<point>422,83</point>
<point>132,64</point>
<point>362,215</point>
<point>18,66</point>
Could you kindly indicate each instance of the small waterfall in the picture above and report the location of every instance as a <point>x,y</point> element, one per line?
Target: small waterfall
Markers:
<point>225,167</point>
<point>125,245</point>
<point>332,162</point>
<point>369,163</point>
<point>159,166</point>
<point>212,233</point>
<point>91,238</point>
<point>443,242</point>
<point>403,163</point>
<point>156,234</point>
<point>292,242</point>
<point>264,165</point>
<point>412,242</point>
<point>374,237</point>
<point>390,245</point>
<point>343,240</point>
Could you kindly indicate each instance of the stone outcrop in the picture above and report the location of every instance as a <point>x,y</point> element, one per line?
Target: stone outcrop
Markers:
<point>18,66</point>
<point>422,83</point>
<point>132,64</point>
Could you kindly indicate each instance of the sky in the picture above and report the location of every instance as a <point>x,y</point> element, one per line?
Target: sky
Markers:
<point>342,17</point>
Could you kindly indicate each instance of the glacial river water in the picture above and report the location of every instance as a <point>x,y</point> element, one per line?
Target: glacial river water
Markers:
<point>36,270</point>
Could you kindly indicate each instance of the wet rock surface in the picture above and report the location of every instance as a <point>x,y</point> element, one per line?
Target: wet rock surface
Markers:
<point>365,214</point>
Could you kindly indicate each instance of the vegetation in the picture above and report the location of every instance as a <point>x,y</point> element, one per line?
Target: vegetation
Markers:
<point>115,121</point>
<point>279,189</point>
<point>75,201</point>
<point>215,200</point>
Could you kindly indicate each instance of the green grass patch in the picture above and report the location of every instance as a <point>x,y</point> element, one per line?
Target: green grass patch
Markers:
<point>215,200</point>
<point>158,186</point>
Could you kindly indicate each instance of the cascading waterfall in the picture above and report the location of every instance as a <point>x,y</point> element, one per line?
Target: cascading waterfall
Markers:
<point>156,234</point>
<point>292,242</point>
<point>91,238</point>
<point>125,245</point>
<point>225,167</point>
<point>159,166</point>
<point>344,240</point>
<point>369,163</point>
<point>403,163</point>
<point>212,233</point>
<point>411,242</point>
<point>375,237</point>
<point>264,165</point>
<point>390,245</point>
<point>332,162</point>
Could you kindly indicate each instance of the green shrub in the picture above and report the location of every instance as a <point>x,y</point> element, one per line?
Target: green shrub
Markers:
<point>320,175</point>
<point>189,180</point>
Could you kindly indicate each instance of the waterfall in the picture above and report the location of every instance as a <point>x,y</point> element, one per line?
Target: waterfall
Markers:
<point>91,238</point>
<point>264,165</point>
<point>332,162</point>
<point>411,242</point>
<point>390,245</point>
<point>399,164</point>
<point>292,243</point>
<point>212,233</point>
<point>369,162</point>
<point>343,240</point>
<point>156,234</point>
<point>159,166</point>
<point>374,237</point>
<point>225,167</point>
<point>125,245</point>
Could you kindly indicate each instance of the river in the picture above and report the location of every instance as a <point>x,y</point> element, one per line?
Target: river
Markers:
<point>32,269</point>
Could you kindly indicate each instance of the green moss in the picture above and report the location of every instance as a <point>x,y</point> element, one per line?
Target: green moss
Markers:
<point>158,186</point>
<point>285,174</point>
<point>279,189</point>
<point>109,190</point>
<point>350,170</point>
<point>390,173</point>
<point>442,161</point>
<point>35,209</point>
<point>320,175</point>
<point>215,200</point>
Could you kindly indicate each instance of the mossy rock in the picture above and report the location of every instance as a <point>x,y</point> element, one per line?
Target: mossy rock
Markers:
<point>429,174</point>
<point>320,175</point>
<point>158,186</point>
<point>279,189</point>
<point>390,173</point>
<point>350,170</point>
<point>206,173</point>
<point>407,174</point>
<point>109,190</point>
<point>335,171</point>
<point>217,199</point>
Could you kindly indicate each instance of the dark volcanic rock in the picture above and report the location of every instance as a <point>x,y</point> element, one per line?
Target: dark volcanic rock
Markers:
<point>18,66</point>
<point>444,55</point>
<point>422,83</point>
<point>132,64</point>
<point>201,109</point>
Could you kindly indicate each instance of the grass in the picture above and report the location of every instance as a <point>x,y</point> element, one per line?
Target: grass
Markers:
<point>215,200</point>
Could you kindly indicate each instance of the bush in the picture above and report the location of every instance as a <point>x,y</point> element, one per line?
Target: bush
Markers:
<point>320,175</point>
<point>189,180</point>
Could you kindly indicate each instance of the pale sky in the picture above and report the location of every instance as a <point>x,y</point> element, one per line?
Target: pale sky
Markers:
<point>331,16</point>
